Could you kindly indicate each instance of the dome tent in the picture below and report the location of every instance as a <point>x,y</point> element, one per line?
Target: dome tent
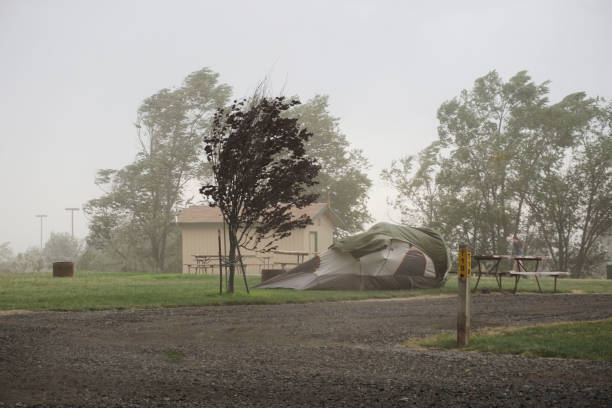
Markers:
<point>387,256</point>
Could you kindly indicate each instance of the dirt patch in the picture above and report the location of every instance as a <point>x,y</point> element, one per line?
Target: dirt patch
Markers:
<point>403,298</point>
<point>321,354</point>
<point>13,312</point>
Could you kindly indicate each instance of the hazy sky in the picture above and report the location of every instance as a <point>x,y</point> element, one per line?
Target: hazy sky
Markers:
<point>73,73</point>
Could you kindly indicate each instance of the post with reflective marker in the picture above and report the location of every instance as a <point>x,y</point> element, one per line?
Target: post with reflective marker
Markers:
<point>220,264</point>
<point>464,271</point>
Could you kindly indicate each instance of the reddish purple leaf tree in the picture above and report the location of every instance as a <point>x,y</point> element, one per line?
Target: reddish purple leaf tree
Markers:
<point>260,173</point>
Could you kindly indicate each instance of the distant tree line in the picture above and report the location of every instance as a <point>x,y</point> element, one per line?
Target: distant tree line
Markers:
<point>508,161</point>
<point>59,247</point>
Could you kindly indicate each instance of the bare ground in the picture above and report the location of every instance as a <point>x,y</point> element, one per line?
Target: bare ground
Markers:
<point>325,354</point>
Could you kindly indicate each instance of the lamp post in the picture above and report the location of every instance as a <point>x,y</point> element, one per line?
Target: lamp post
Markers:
<point>41,216</point>
<point>72,210</point>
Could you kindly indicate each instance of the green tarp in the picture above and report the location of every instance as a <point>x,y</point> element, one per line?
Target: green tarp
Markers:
<point>381,234</point>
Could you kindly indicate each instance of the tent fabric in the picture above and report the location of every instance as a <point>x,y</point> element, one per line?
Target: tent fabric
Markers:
<point>381,234</point>
<point>397,264</point>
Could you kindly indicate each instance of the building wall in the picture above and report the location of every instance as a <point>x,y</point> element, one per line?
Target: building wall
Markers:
<point>198,239</point>
<point>201,239</point>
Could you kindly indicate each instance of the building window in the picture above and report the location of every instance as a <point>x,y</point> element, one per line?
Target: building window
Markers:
<point>313,242</point>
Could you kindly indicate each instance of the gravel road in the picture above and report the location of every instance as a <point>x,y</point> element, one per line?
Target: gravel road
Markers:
<point>325,354</point>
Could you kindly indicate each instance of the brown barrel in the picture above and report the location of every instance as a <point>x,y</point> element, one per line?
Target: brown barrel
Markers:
<point>63,269</point>
<point>270,273</point>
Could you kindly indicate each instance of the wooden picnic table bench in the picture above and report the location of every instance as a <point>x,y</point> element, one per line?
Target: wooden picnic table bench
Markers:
<point>520,272</point>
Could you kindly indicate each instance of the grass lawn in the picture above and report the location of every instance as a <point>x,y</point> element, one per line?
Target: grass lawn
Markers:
<point>530,284</point>
<point>582,340</point>
<point>111,290</point>
<point>120,290</point>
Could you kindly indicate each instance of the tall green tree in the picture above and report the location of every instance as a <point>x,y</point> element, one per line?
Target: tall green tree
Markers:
<point>474,162</point>
<point>507,161</point>
<point>135,218</point>
<point>570,201</point>
<point>342,173</point>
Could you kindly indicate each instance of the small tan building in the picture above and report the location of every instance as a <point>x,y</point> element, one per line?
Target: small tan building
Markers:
<point>200,227</point>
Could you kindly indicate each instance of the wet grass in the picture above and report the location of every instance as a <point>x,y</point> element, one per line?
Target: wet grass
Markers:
<point>529,284</point>
<point>578,340</point>
<point>120,290</point>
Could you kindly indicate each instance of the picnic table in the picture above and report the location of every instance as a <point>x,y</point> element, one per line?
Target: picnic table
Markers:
<point>521,269</point>
<point>205,262</point>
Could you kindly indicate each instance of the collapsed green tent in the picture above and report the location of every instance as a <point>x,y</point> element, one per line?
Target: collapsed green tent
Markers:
<point>387,256</point>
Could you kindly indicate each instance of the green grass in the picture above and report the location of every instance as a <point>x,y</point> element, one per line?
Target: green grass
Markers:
<point>111,290</point>
<point>118,290</point>
<point>530,284</point>
<point>173,356</point>
<point>581,340</point>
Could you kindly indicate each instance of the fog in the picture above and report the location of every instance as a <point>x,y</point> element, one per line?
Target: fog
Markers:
<point>73,73</point>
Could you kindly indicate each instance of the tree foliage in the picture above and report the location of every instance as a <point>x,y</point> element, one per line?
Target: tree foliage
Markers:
<point>260,172</point>
<point>31,260</point>
<point>342,173</point>
<point>507,161</point>
<point>6,253</point>
<point>61,247</point>
<point>134,219</point>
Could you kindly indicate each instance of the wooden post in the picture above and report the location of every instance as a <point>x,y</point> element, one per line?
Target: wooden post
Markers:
<point>464,271</point>
<point>220,264</point>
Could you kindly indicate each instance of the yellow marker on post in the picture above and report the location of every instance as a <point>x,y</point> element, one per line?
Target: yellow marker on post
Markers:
<point>464,271</point>
<point>465,262</point>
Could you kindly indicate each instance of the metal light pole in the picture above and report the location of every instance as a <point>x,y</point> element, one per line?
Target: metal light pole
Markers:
<point>72,210</point>
<point>41,216</point>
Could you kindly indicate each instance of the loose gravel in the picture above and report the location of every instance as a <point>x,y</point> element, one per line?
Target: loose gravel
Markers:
<point>341,354</point>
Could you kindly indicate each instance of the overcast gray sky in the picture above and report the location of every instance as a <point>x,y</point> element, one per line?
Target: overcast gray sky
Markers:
<point>73,73</point>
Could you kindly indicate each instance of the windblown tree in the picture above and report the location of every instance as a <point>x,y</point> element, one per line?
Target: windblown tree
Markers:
<point>134,219</point>
<point>464,177</point>
<point>342,174</point>
<point>507,161</point>
<point>570,202</point>
<point>260,173</point>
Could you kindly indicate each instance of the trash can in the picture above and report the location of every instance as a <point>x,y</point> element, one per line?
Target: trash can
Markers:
<point>63,269</point>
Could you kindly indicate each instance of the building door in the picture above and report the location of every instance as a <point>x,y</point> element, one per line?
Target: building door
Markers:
<point>313,242</point>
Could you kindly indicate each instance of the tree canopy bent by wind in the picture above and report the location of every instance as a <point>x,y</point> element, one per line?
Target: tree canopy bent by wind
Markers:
<point>508,161</point>
<point>342,173</point>
<point>134,218</point>
<point>260,173</point>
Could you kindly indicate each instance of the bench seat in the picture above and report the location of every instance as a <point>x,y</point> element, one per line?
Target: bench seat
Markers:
<point>542,273</point>
<point>555,274</point>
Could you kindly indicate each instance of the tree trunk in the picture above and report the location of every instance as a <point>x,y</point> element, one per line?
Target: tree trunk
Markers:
<point>232,260</point>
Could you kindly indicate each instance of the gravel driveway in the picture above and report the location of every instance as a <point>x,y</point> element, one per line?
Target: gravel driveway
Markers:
<point>325,354</point>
